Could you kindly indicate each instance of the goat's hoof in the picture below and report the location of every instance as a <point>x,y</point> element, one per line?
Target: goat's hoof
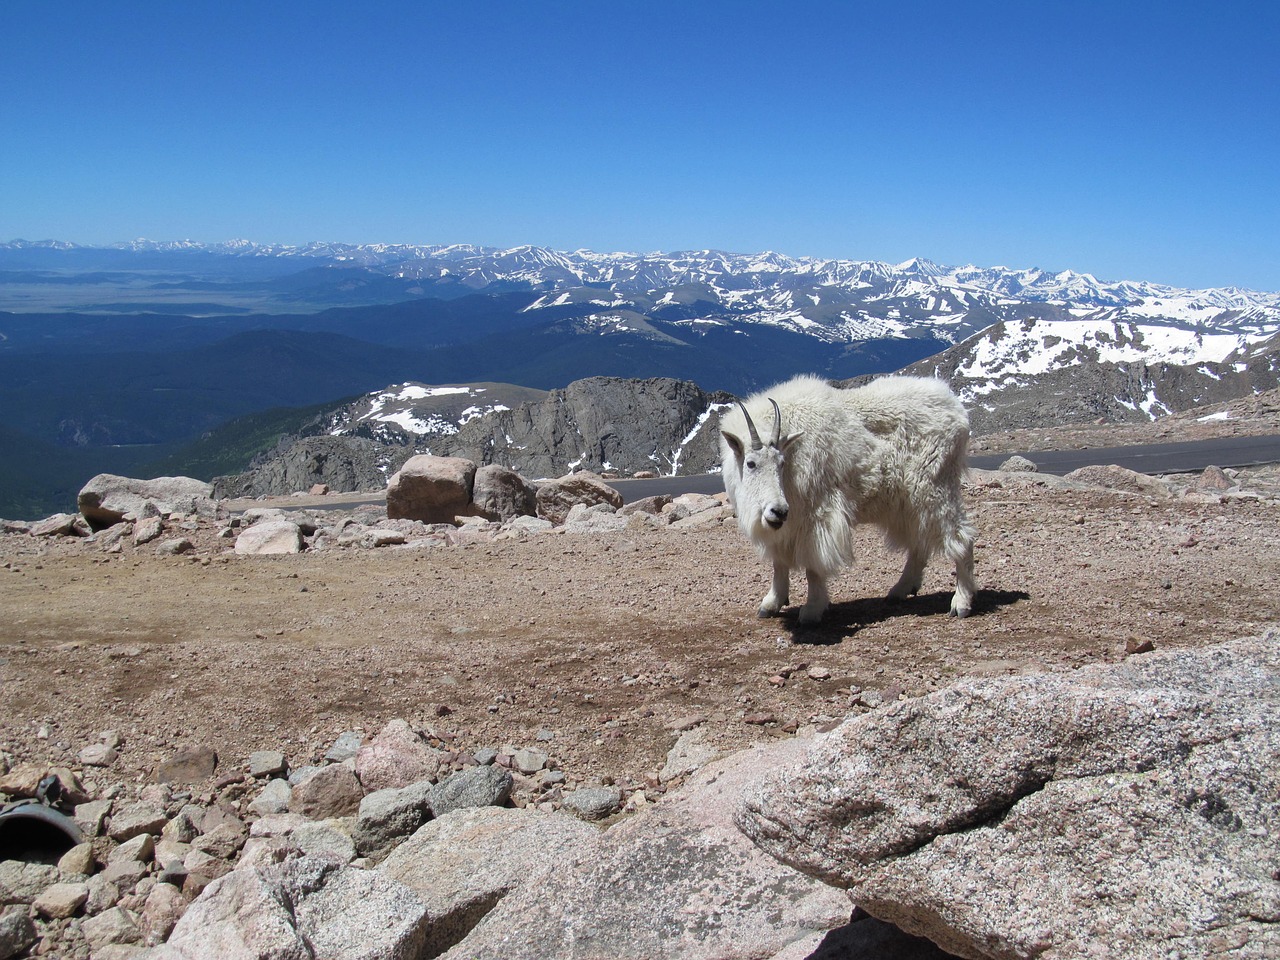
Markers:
<point>764,613</point>
<point>960,612</point>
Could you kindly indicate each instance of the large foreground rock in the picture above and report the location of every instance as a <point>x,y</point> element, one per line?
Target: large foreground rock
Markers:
<point>106,498</point>
<point>462,863</point>
<point>301,909</point>
<point>1123,811</point>
<point>677,881</point>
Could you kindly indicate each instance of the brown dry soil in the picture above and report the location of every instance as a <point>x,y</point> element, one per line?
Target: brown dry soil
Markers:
<point>596,648</point>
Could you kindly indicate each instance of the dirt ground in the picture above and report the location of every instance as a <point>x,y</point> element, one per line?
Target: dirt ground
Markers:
<point>596,648</point>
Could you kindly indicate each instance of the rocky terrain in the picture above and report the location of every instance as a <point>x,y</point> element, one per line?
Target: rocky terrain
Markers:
<point>599,663</point>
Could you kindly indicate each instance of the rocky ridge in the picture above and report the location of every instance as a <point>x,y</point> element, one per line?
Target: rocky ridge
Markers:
<point>607,425</point>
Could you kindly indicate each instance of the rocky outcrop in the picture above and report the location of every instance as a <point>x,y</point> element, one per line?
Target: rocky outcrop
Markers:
<point>601,424</point>
<point>341,463</point>
<point>1130,810</point>
<point>306,907</point>
<point>676,881</point>
<point>107,499</point>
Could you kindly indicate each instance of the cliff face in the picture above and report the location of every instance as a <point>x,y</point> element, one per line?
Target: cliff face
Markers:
<point>600,424</point>
<point>603,424</point>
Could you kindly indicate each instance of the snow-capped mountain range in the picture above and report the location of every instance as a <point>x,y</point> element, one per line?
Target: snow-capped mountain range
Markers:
<point>1009,328</point>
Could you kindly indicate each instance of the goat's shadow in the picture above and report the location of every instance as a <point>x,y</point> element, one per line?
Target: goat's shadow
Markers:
<point>842,620</point>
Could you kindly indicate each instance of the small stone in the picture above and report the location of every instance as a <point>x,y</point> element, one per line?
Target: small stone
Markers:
<point>687,723</point>
<point>267,763</point>
<point>162,911</point>
<point>124,873</point>
<point>529,760</point>
<point>274,798</point>
<point>344,746</point>
<point>78,861</point>
<point>182,828</point>
<point>141,848</point>
<point>147,529</point>
<point>331,792</point>
<point>98,755</point>
<point>819,673</point>
<point>387,816</point>
<point>593,803</point>
<point>1135,645</point>
<point>116,925</point>
<point>174,547</point>
<point>62,900</point>
<point>1018,464</point>
<point>223,841</point>
<point>188,766</point>
<point>17,932</point>
<point>136,819</point>
<point>759,719</point>
<point>479,786</point>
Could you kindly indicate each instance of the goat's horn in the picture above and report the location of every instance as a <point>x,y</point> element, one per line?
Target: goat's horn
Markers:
<point>751,428</point>
<point>777,423</point>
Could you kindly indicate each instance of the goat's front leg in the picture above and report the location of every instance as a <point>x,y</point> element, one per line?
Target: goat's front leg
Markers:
<point>816,605</point>
<point>780,595</point>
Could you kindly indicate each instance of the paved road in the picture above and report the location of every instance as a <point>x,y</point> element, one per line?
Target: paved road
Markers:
<point>1152,458</point>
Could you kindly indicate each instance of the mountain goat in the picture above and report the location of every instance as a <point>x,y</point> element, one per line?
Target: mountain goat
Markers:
<point>890,453</point>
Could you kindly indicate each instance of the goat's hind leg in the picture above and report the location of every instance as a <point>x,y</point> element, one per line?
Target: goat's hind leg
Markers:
<point>909,583</point>
<point>780,595</point>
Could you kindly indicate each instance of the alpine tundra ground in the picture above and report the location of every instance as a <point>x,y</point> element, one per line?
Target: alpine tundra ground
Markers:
<point>597,648</point>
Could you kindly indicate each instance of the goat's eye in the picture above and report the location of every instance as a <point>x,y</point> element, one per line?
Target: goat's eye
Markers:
<point>751,464</point>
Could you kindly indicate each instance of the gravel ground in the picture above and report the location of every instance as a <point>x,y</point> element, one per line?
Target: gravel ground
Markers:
<point>598,648</point>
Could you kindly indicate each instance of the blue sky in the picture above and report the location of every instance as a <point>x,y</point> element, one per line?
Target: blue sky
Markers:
<point>1132,140</point>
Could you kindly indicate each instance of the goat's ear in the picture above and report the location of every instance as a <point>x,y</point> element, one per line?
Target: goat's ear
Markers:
<point>789,439</point>
<point>735,443</point>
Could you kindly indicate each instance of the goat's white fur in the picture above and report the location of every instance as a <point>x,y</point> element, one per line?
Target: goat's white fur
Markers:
<point>891,453</point>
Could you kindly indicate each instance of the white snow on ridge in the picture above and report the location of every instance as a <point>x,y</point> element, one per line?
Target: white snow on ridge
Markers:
<point>1031,347</point>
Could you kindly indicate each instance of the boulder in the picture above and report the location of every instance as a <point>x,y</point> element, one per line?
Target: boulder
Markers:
<point>499,493</point>
<point>1119,810</point>
<point>17,931</point>
<point>431,489</point>
<point>61,525</point>
<point>273,798</point>
<point>106,498</point>
<point>396,757</point>
<point>302,908</point>
<point>188,766</point>
<point>1018,464</point>
<point>464,862</point>
<point>593,803</point>
<point>676,881</point>
<point>62,900</point>
<point>1115,477</point>
<point>270,537</point>
<point>386,816</point>
<point>557,497</point>
<point>473,787</point>
<point>599,518</point>
<point>332,791</point>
